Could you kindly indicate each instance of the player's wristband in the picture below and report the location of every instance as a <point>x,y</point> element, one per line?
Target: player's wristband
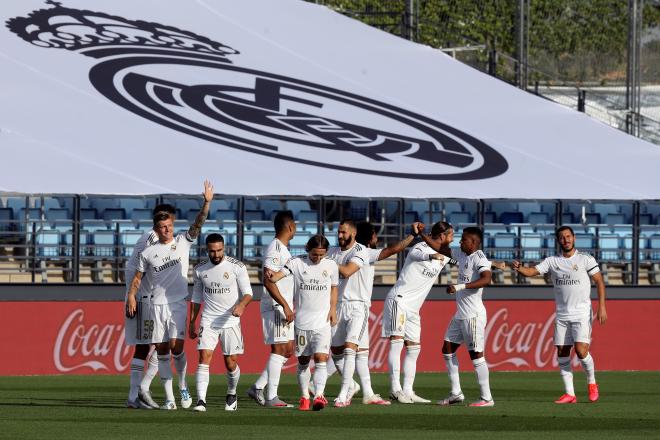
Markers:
<point>459,287</point>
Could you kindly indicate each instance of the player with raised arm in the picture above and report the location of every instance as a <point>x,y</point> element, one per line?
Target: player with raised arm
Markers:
<point>469,322</point>
<point>367,237</point>
<point>139,395</point>
<point>570,273</point>
<point>315,297</point>
<point>401,319</point>
<point>278,333</point>
<point>222,284</point>
<point>162,311</point>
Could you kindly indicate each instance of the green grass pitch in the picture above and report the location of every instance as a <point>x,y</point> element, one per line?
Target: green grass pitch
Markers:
<point>92,407</point>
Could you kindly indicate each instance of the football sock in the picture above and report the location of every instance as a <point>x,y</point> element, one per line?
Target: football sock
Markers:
<point>588,366</point>
<point>137,368</point>
<point>180,365</point>
<point>410,367</point>
<point>304,376</point>
<point>332,368</point>
<point>232,380</point>
<point>394,364</point>
<point>362,368</point>
<point>274,368</point>
<point>451,361</point>
<point>320,377</point>
<point>481,369</point>
<point>262,381</point>
<point>338,360</point>
<point>165,372</point>
<point>151,371</point>
<point>346,374</point>
<point>566,374</point>
<point>202,377</point>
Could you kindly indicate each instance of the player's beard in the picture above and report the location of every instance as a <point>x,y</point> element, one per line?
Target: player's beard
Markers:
<point>567,250</point>
<point>216,261</point>
<point>344,243</point>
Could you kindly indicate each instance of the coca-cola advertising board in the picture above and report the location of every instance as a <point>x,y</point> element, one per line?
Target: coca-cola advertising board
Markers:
<point>88,338</point>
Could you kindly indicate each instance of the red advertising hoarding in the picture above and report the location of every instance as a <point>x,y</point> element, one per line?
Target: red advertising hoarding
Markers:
<point>88,338</point>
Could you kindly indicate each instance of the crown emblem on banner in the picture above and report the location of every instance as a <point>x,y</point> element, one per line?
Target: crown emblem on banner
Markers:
<point>99,34</point>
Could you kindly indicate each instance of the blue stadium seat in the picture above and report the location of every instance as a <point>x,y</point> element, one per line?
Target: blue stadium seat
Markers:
<point>410,217</point>
<point>584,242</point>
<point>505,246</point>
<point>567,218</point>
<point>101,204</point>
<point>592,218</point>
<point>654,246</point>
<point>615,219</point>
<point>226,215</point>
<point>104,243</point>
<point>88,214</point>
<point>33,213</point>
<point>526,208</point>
<point>249,244</point>
<point>93,225</point>
<point>131,204</point>
<point>299,241</point>
<point>532,245</point>
<point>358,209</point>
<point>627,243</point>
<point>609,248</point>
<point>49,203</point>
<point>537,218</point>
<point>495,228</point>
<point>606,208</point>
<point>270,205</point>
<point>6,219</point>
<point>261,226</point>
<point>16,204</point>
<point>113,214</point>
<point>48,243</point>
<point>490,217</point>
<point>645,219</point>
<point>186,205</point>
<point>254,215</point>
<point>456,218</point>
<point>250,204</point>
<point>127,241</point>
<point>296,206</point>
<point>511,217</point>
<point>308,218</point>
<point>217,204</point>
<point>141,214</point>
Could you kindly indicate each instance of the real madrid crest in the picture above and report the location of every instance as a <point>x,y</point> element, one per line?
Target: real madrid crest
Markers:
<point>226,275</point>
<point>575,267</point>
<point>325,274</point>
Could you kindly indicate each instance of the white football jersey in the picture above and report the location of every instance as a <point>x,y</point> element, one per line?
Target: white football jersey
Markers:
<point>470,267</point>
<point>165,268</point>
<point>147,239</point>
<point>277,255</point>
<point>312,290</point>
<point>220,287</point>
<point>417,276</point>
<point>355,287</point>
<point>571,277</point>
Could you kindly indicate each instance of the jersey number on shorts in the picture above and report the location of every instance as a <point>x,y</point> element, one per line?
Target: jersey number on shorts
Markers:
<point>301,340</point>
<point>148,328</point>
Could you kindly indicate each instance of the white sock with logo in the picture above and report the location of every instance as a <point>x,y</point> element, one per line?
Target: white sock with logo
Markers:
<point>202,378</point>
<point>410,367</point>
<point>137,368</point>
<point>165,372</point>
<point>232,380</point>
<point>589,368</point>
<point>394,364</point>
<point>346,374</point>
<point>320,378</point>
<point>180,365</point>
<point>274,368</point>
<point>262,381</point>
<point>481,369</point>
<point>451,361</point>
<point>304,376</point>
<point>362,368</point>
<point>566,374</point>
<point>151,371</point>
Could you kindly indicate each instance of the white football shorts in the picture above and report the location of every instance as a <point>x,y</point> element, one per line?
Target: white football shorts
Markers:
<point>470,331</point>
<point>309,342</point>
<point>231,339</point>
<point>352,324</point>
<point>398,321</point>
<point>276,329</point>
<point>570,331</point>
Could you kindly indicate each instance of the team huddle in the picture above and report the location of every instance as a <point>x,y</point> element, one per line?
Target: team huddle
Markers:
<point>317,306</point>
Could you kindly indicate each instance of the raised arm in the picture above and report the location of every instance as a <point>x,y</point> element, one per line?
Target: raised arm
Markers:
<point>400,246</point>
<point>601,314</point>
<point>196,227</point>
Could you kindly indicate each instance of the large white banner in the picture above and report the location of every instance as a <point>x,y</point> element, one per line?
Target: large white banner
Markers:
<point>279,98</point>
